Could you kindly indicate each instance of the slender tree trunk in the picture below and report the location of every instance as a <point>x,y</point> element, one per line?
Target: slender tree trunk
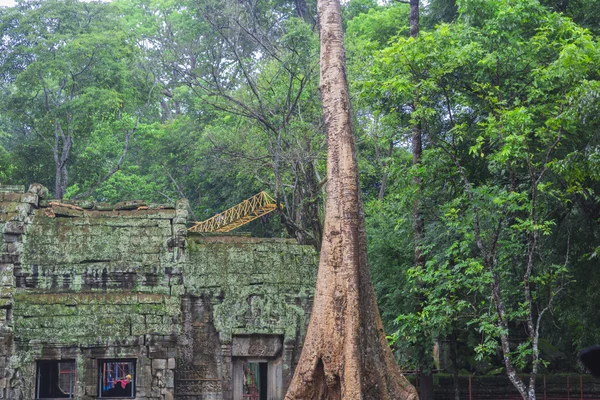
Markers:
<point>61,151</point>
<point>303,11</point>
<point>58,191</point>
<point>425,363</point>
<point>345,353</point>
<point>314,205</point>
<point>168,115</point>
<point>424,366</point>
<point>454,361</point>
<point>301,8</point>
<point>414,18</point>
<point>425,345</point>
<point>64,181</point>
<point>419,224</point>
<point>384,175</point>
<point>513,376</point>
<point>61,181</point>
<point>425,384</point>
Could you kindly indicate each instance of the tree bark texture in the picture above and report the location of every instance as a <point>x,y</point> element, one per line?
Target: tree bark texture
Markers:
<point>414,18</point>
<point>345,354</point>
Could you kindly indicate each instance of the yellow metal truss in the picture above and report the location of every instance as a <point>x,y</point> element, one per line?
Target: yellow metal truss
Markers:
<point>248,210</point>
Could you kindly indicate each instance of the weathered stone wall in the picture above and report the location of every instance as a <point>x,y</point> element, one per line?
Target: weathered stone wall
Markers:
<point>240,287</point>
<point>126,282</point>
<point>16,208</point>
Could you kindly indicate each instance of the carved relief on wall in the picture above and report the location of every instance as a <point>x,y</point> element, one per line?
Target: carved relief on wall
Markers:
<point>199,367</point>
<point>256,346</point>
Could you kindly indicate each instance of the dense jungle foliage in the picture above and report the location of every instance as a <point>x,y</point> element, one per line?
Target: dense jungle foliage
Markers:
<point>216,100</point>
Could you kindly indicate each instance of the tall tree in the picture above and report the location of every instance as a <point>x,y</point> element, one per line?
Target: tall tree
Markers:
<point>255,63</point>
<point>67,71</point>
<point>424,345</point>
<point>345,353</point>
<point>499,216</point>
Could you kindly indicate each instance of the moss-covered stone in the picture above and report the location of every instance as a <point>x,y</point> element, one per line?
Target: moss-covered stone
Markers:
<point>86,285</point>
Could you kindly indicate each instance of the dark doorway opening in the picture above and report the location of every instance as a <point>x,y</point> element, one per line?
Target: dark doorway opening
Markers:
<point>255,380</point>
<point>55,379</point>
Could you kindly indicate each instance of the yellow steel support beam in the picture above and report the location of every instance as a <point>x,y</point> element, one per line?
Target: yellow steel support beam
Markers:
<point>248,210</point>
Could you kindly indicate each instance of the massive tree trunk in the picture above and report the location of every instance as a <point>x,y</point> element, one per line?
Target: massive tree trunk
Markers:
<point>345,354</point>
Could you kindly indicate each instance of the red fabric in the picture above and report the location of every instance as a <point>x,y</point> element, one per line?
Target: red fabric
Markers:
<point>123,383</point>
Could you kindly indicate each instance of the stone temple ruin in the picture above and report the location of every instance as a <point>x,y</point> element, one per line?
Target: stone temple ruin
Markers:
<point>121,301</point>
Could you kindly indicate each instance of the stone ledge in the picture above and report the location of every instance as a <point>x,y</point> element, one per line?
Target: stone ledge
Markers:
<point>12,188</point>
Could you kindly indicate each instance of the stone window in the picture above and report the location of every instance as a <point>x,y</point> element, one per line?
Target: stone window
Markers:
<point>116,378</point>
<point>55,379</point>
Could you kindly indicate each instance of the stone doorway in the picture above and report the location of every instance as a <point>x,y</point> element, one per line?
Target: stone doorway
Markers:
<point>255,379</point>
<point>257,367</point>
